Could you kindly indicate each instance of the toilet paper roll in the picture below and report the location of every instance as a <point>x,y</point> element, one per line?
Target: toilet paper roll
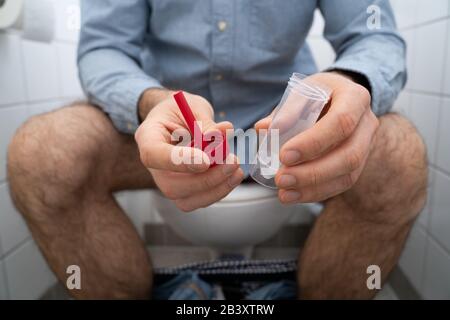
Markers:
<point>10,12</point>
<point>36,19</point>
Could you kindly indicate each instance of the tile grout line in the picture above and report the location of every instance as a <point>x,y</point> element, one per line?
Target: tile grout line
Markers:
<point>5,278</point>
<point>439,244</point>
<point>16,247</point>
<point>427,93</point>
<point>440,170</point>
<point>429,235</point>
<point>425,23</point>
<point>18,33</point>
<point>37,101</point>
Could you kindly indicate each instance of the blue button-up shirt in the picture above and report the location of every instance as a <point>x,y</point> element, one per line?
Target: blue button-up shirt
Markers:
<point>238,54</point>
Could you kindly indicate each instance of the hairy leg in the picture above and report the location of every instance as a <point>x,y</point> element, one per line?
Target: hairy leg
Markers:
<point>63,168</point>
<point>368,224</point>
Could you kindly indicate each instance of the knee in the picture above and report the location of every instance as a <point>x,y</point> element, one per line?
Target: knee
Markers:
<point>53,155</point>
<point>393,186</point>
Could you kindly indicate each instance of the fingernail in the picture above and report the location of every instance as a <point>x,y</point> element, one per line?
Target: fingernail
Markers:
<point>286,181</point>
<point>290,196</point>
<point>290,157</point>
<point>235,180</point>
<point>228,169</point>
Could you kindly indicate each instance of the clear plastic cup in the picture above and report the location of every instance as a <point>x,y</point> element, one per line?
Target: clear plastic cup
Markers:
<point>298,110</point>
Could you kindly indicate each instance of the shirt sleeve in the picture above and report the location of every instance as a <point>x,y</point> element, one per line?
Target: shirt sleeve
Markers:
<point>367,46</point>
<point>111,41</point>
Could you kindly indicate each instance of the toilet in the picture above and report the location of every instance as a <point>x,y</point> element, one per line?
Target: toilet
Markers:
<point>249,215</point>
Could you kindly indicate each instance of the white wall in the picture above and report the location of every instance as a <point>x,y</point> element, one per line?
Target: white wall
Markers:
<point>425,25</point>
<point>426,101</point>
<point>34,78</point>
<point>38,77</point>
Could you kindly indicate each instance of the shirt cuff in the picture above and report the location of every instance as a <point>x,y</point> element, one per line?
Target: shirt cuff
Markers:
<point>122,106</point>
<point>379,93</point>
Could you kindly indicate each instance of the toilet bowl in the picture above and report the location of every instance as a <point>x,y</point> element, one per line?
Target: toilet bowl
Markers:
<point>249,215</point>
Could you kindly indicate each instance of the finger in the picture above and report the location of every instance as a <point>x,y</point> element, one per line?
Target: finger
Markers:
<point>206,198</point>
<point>346,110</point>
<point>341,161</point>
<point>157,152</point>
<point>176,185</point>
<point>225,127</point>
<point>263,123</point>
<point>319,192</point>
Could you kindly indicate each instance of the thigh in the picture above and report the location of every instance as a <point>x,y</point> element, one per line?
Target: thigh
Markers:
<point>395,176</point>
<point>122,167</point>
<point>78,145</point>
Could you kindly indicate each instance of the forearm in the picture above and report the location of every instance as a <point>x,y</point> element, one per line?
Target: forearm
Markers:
<point>150,98</point>
<point>109,58</point>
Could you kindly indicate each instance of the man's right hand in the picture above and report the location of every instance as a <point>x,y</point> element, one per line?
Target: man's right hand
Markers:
<point>193,185</point>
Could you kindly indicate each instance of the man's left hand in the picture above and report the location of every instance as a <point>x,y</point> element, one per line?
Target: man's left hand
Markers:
<point>328,158</point>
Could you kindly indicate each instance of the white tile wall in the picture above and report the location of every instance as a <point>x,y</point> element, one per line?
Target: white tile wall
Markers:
<point>426,13</point>
<point>424,112</point>
<point>403,103</point>
<point>410,38</point>
<point>429,46</point>
<point>67,20</point>
<point>413,256</point>
<point>40,63</point>
<point>443,155</point>
<point>13,230</point>
<point>436,282</point>
<point>425,26</point>
<point>34,78</point>
<point>27,272</point>
<point>440,218</point>
<point>12,89</point>
<point>35,108</point>
<point>70,86</point>
<point>424,217</point>
<point>10,120</point>
<point>3,285</point>
<point>405,12</point>
<point>446,83</point>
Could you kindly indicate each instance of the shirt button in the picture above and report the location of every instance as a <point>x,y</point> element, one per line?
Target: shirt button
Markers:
<point>222,25</point>
<point>129,126</point>
<point>222,114</point>
<point>218,77</point>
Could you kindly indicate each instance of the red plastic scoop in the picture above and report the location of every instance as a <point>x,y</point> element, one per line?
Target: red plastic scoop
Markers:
<point>189,117</point>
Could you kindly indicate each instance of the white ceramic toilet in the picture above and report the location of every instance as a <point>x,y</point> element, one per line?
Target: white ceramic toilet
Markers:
<point>249,215</point>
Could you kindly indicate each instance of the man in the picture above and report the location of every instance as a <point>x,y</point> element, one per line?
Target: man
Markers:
<point>234,57</point>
